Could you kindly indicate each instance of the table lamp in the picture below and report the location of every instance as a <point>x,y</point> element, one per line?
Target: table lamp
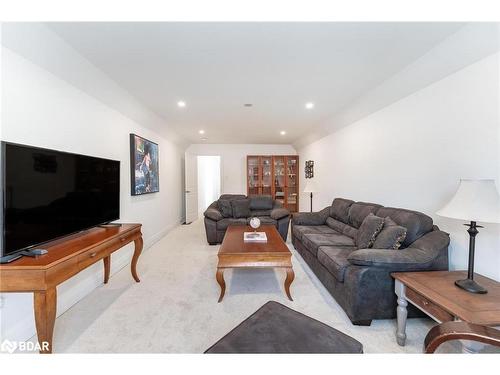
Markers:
<point>475,200</point>
<point>310,188</point>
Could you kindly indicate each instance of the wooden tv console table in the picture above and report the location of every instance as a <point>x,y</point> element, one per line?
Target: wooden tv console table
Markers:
<point>65,258</point>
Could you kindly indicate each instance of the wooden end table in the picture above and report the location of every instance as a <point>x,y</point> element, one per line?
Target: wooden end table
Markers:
<point>235,253</point>
<point>435,293</point>
<point>66,257</point>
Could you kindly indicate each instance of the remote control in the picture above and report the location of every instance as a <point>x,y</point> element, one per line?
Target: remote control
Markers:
<point>39,251</point>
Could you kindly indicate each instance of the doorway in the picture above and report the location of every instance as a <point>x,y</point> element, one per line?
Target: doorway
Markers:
<point>203,184</point>
<point>208,181</point>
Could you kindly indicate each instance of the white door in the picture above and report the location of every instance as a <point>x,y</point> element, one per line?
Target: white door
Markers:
<point>191,183</point>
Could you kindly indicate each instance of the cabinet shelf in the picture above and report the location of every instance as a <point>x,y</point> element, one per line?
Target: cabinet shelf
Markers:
<point>275,175</point>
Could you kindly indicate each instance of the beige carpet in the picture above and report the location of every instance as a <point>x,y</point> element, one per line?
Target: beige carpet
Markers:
<point>174,308</point>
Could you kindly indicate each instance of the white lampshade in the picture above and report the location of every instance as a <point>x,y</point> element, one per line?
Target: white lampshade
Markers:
<point>475,200</point>
<point>310,186</point>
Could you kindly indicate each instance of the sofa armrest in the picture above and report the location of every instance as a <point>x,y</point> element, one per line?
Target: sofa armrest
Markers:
<point>213,213</point>
<point>403,260</point>
<point>279,213</point>
<point>311,218</point>
<point>418,256</point>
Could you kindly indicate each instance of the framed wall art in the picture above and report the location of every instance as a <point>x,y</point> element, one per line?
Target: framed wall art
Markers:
<point>144,166</point>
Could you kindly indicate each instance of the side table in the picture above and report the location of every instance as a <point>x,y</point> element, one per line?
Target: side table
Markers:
<point>435,293</point>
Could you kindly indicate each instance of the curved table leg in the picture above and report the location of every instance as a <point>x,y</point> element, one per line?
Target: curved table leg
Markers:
<point>290,275</point>
<point>137,252</point>
<point>220,279</point>
<point>107,265</point>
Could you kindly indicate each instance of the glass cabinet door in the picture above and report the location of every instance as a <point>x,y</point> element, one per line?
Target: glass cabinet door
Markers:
<point>253,175</point>
<point>267,178</point>
<point>292,183</point>
<point>279,178</point>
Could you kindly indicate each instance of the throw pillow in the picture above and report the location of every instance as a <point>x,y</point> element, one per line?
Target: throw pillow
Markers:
<point>391,236</point>
<point>368,231</point>
<point>241,208</point>
<point>225,207</point>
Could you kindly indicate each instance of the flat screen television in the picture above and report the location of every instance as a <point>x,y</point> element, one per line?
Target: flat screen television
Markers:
<point>48,194</point>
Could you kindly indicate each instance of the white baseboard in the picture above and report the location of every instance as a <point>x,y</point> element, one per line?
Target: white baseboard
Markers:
<point>158,236</point>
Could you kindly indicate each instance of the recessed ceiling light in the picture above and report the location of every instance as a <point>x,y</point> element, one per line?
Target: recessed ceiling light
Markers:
<point>181,104</point>
<point>201,131</point>
<point>204,139</point>
<point>309,105</point>
<point>282,132</point>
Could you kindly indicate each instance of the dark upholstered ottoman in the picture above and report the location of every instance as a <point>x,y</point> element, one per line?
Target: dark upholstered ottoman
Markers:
<point>275,328</point>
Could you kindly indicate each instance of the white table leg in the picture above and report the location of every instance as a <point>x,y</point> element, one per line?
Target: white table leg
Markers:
<point>402,312</point>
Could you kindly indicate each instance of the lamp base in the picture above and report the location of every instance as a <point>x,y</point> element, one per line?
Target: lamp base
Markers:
<point>471,286</point>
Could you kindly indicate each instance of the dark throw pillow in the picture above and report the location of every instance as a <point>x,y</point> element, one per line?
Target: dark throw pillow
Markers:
<point>368,231</point>
<point>241,208</point>
<point>391,236</point>
<point>225,207</point>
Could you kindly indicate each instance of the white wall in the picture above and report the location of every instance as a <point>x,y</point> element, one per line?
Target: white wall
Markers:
<point>42,110</point>
<point>234,179</point>
<point>412,154</point>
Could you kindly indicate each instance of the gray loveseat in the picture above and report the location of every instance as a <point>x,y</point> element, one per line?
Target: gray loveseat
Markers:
<point>217,219</point>
<point>359,279</point>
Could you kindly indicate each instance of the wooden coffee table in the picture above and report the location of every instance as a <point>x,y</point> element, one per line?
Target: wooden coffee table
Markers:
<point>235,253</point>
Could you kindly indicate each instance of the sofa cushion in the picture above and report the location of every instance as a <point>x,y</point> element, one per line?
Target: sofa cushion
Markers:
<point>350,231</point>
<point>416,223</point>
<point>260,212</point>
<point>368,231</point>
<point>264,220</point>
<point>334,259</point>
<point>359,210</point>
<point>312,241</point>
<point>299,230</point>
<point>341,227</point>
<point>391,236</point>
<point>241,208</point>
<point>225,207</point>
<point>335,224</point>
<point>224,223</point>
<point>261,202</point>
<point>339,209</point>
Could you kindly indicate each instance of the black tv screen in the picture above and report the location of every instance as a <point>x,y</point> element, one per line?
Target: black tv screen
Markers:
<point>49,194</point>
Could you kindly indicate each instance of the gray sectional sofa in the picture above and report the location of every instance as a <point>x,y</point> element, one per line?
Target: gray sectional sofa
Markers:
<point>359,278</point>
<point>224,212</point>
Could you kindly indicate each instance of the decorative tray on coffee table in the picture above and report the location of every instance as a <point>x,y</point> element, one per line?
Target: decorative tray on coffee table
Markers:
<point>254,237</point>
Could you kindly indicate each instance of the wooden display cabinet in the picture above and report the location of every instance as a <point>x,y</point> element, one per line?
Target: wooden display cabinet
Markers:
<point>275,175</point>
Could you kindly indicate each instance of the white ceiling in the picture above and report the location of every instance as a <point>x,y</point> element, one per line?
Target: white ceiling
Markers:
<point>218,67</point>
